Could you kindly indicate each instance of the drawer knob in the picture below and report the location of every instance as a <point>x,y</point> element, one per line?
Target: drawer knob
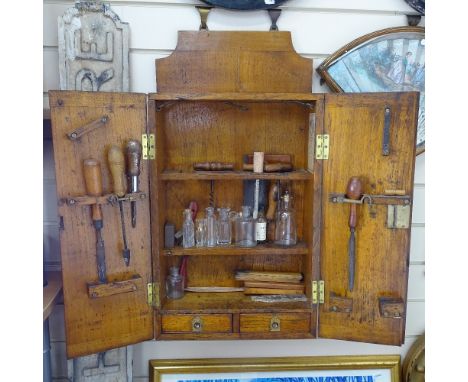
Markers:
<point>275,324</point>
<point>197,324</point>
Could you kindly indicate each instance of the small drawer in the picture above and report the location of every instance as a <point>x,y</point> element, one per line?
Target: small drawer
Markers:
<point>275,322</point>
<point>196,323</point>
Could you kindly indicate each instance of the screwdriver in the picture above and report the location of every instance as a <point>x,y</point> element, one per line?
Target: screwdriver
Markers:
<point>353,191</point>
<point>93,183</point>
<point>133,160</point>
<point>117,168</point>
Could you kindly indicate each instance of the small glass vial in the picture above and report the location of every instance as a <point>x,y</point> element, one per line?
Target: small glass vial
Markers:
<point>188,230</point>
<point>245,229</point>
<point>286,230</point>
<point>211,227</point>
<point>200,232</point>
<point>174,284</point>
<point>224,226</point>
<point>261,228</point>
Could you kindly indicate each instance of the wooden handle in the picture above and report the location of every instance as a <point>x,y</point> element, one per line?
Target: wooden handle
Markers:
<point>117,168</point>
<point>133,157</point>
<point>272,201</point>
<point>278,167</point>
<point>93,183</point>
<point>353,191</point>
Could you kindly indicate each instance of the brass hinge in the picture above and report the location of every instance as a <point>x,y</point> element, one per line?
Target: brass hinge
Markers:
<point>322,146</point>
<point>318,292</point>
<point>153,294</point>
<point>148,146</point>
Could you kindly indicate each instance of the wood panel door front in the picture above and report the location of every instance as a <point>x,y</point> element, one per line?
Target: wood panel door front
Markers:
<point>105,300</point>
<point>372,138</point>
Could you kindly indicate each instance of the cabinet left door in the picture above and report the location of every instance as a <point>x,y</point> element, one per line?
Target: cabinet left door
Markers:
<point>103,309</point>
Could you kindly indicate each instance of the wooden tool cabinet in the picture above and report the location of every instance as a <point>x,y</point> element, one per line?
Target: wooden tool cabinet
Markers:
<point>221,95</point>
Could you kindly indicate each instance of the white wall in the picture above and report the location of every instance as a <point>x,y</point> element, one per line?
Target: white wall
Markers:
<point>319,27</point>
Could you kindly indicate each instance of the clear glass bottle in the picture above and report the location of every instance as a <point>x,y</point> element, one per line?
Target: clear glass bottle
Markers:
<point>211,227</point>
<point>174,284</point>
<point>224,226</point>
<point>245,229</point>
<point>200,232</point>
<point>286,229</point>
<point>261,228</point>
<point>188,230</point>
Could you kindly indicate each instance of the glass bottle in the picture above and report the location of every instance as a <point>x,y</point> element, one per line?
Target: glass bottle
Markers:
<point>286,230</point>
<point>245,229</point>
<point>174,284</point>
<point>211,227</point>
<point>188,230</point>
<point>200,232</point>
<point>261,228</point>
<point>224,226</point>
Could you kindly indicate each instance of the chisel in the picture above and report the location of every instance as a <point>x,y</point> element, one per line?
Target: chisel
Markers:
<point>353,191</point>
<point>133,160</point>
<point>117,168</point>
<point>93,183</point>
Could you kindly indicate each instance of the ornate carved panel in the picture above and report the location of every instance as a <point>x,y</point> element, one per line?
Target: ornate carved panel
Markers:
<point>93,49</point>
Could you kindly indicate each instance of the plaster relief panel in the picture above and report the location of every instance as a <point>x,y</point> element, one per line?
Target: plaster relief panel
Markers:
<point>93,49</point>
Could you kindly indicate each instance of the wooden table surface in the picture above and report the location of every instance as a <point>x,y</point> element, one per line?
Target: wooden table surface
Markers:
<point>51,292</point>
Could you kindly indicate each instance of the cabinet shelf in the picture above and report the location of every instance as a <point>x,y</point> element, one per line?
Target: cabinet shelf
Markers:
<point>235,175</point>
<point>248,97</point>
<point>232,302</point>
<point>262,249</point>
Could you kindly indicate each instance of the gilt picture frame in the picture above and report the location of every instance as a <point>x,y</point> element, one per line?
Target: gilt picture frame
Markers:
<point>387,60</point>
<point>366,368</point>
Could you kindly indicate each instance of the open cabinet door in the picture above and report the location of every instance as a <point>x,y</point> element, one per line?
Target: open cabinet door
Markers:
<point>372,137</point>
<point>103,309</point>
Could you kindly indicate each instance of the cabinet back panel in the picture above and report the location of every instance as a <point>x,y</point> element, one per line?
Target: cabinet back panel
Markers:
<point>224,132</point>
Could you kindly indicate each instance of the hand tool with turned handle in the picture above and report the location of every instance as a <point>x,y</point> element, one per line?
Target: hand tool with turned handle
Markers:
<point>134,160</point>
<point>93,183</point>
<point>353,191</point>
<point>117,168</point>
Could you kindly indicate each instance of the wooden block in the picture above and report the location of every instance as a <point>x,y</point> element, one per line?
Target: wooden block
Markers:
<point>116,287</point>
<point>287,277</point>
<point>271,285</point>
<point>271,291</point>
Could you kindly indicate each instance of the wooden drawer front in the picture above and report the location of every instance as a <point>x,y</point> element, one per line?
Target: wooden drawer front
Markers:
<point>274,323</point>
<point>196,323</point>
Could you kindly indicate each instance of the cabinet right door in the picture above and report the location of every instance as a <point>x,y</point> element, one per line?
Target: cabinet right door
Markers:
<point>366,223</point>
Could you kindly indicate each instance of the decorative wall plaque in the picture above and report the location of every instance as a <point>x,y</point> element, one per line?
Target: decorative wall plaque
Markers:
<point>93,49</point>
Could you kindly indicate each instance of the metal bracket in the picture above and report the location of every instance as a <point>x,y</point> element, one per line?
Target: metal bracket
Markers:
<point>197,324</point>
<point>398,217</point>
<point>204,12</point>
<point>404,200</point>
<point>413,20</point>
<point>148,146</point>
<point>153,294</point>
<point>274,14</point>
<point>79,132</point>
<point>318,292</point>
<point>275,324</point>
<point>322,146</point>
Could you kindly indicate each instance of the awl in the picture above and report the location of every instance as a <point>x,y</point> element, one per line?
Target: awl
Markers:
<point>353,191</point>
<point>117,167</point>
<point>93,183</point>
<point>133,160</point>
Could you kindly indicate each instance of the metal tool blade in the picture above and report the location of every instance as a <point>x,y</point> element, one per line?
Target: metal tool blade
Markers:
<point>125,251</point>
<point>352,260</point>
<point>100,257</point>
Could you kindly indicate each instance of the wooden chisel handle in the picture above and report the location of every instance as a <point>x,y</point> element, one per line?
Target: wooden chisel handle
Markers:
<point>93,184</point>
<point>272,201</point>
<point>133,157</point>
<point>354,192</point>
<point>116,161</point>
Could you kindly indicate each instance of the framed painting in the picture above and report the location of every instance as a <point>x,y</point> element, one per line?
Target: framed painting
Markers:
<point>369,368</point>
<point>387,60</point>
